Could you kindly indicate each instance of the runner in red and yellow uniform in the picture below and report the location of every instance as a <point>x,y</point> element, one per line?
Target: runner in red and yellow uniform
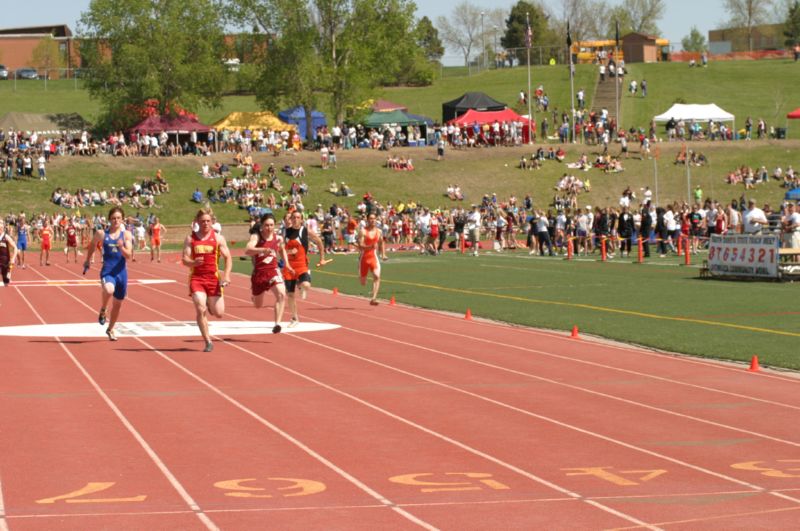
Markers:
<point>297,236</point>
<point>370,242</point>
<point>46,237</point>
<point>267,249</point>
<point>8,254</point>
<point>201,252</point>
<point>72,241</point>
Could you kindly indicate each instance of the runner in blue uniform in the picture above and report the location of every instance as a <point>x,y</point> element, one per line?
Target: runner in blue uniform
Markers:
<point>117,250</point>
<point>22,240</point>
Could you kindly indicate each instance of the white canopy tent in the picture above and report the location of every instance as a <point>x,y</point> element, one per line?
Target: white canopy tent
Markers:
<point>697,112</point>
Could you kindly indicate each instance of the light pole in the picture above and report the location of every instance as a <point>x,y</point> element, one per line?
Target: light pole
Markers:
<point>495,47</point>
<point>483,40</point>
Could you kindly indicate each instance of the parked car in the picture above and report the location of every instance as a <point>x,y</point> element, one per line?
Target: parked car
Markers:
<point>3,72</point>
<point>27,73</point>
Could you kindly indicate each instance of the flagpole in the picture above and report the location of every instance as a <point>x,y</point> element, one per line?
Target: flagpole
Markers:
<point>616,75</point>
<point>571,86</point>
<point>528,39</point>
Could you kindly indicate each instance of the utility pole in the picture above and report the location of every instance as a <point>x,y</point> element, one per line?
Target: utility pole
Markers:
<point>483,41</point>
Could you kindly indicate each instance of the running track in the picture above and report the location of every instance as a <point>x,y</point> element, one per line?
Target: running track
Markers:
<point>399,419</point>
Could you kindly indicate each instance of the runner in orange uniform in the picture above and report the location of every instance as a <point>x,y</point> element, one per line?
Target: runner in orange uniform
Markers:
<point>157,230</point>
<point>296,236</point>
<point>201,252</point>
<point>370,242</point>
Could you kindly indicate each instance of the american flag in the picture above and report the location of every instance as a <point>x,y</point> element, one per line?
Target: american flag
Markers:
<point>528,36</point>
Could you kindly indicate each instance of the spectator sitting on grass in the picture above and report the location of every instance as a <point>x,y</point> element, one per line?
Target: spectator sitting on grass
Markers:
<point>197,196</point>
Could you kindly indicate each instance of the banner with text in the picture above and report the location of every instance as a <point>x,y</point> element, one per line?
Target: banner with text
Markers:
<point>744,255</point>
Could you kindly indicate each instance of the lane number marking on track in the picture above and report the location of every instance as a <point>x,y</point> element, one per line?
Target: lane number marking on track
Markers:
<point>605,473</point>
<point>782,470</point>
<point>482,481</point>
<point>296,487</point>
<point>91,488</point>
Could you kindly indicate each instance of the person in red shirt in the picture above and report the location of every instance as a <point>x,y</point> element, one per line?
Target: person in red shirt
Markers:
<point>370,242</point>
<point>71,245</point>
<point>201,252</point>
<point>267,249</point>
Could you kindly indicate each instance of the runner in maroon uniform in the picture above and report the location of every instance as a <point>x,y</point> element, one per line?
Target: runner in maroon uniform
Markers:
<point>201,252</point>
<point>8,253</point>
<point>72,241</point>
<point>267,249</point>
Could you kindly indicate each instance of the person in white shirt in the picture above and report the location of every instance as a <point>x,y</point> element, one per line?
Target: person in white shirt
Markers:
<point>791,227</point>
<point>754,219</point>
<point>474,228</point>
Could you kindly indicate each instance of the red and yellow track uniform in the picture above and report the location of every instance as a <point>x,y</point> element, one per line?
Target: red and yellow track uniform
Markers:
<point>205,276</point>
<point>265,266</point>
<point>46,235</point>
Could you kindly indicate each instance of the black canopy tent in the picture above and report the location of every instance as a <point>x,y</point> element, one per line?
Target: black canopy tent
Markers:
<point>471,100</point>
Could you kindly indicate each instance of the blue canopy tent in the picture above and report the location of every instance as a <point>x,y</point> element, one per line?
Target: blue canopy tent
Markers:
<point>793,195</point>
<point>297,116</point>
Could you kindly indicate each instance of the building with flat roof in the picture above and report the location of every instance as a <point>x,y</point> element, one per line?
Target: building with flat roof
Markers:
<point>18,44</point>
<point>728,40</point>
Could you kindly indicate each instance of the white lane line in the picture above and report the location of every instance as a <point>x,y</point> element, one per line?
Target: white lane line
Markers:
<point>384,501</point>
<point>128,425</point>
<point>3,521</point>
<point>575,360</point>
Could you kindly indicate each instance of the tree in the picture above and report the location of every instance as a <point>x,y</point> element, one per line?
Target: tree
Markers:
<point>427,37</point>
<point>340,49</point>
<point>792,29</point>
<point>644,15</point>
<point>138,50</point>
<point>516,27</point>
<point>585,18</point>
<point>47,55</point>
<point>618,15</point>
<point>462,30</point>
<point>694,42</point>
<point>748,14</point>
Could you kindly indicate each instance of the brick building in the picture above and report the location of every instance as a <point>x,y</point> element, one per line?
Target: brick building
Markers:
<point>17,45</point>
<point>765,37</point>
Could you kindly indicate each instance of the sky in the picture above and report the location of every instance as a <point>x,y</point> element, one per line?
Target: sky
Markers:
<point>679,17</point>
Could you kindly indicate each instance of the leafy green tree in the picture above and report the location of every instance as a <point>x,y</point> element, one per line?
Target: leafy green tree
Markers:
<point>694,42</point>
<point>644,15</point>
<point>427,37</point>
<point>167,50</point>
<point>792,30</point>
<point>618,15</point>
<point>47,55</point>
<point>339,49</point>
<point>516,28</point>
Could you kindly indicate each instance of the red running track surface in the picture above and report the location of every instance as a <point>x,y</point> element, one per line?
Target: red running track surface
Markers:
<point>401,418</point>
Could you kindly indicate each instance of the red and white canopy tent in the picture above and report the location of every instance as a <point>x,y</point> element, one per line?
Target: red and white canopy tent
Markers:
<point>489,117</point>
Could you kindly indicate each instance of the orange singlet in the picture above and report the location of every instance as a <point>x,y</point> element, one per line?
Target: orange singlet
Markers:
<point>369,258</point>
<point>155,232</point>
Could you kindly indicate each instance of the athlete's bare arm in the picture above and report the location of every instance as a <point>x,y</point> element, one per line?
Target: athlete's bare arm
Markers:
<point>127,245</point>
<point>97,239</point>
<point>381,246</point>
<point>226,254</point>
<point>252,248</point>
<point>284,256</point>
<point>186,257</point>
<point>314,237</point>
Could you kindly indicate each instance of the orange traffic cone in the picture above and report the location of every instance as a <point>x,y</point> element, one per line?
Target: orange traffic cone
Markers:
<point>574,334</point>
<point>392,301</point>
<point>754,367</point>
<point>335,291</point>
<point>468,315</point>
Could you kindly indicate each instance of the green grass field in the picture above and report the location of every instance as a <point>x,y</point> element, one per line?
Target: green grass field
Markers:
<point>659,304</point>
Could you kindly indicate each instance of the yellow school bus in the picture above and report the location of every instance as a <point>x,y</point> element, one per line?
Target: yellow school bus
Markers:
<point>588,51</point>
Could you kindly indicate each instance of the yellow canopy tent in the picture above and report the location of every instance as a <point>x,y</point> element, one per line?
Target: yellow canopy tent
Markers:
<point>253,120</point>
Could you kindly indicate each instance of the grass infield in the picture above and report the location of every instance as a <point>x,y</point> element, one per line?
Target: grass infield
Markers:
<point>660,304</point>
